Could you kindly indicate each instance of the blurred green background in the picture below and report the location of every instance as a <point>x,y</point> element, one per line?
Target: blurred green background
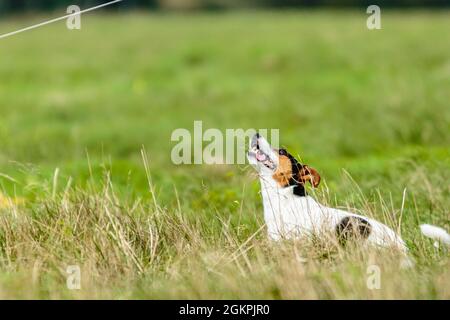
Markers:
<point>374,103</point>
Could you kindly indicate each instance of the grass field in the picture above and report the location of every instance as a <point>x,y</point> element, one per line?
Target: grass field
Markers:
<point>368,109</point>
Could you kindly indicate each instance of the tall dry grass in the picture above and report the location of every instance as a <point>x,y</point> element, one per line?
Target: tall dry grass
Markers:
<point>142,249</point>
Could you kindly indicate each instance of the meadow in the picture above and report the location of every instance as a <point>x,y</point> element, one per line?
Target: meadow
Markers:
<point>86,177</point>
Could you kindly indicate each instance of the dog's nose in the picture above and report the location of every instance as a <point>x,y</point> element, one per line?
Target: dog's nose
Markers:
<point>257,135</point>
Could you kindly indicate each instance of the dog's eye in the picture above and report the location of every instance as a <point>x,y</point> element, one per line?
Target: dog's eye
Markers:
<point>282,152</point>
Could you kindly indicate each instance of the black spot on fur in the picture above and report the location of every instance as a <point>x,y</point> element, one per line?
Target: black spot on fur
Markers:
<point>299,189</point>
<point>351,228</point>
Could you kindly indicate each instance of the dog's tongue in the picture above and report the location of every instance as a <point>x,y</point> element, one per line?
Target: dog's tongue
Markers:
<point>260,156</point>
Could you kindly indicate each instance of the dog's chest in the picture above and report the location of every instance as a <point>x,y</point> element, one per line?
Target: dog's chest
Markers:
<point>290,215</point>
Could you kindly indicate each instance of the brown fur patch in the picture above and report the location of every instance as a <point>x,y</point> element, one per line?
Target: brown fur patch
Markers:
<point>309,174</point>
<point>284,171</point>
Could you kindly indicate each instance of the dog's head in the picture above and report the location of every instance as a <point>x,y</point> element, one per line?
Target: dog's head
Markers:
<point>279,165</point>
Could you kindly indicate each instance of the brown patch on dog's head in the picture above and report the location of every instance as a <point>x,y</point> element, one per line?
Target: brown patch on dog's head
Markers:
<point>290,172</point>
<point>284,173</point>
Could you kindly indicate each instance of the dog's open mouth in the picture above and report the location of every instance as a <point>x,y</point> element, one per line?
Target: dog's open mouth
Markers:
<point>259,155</point>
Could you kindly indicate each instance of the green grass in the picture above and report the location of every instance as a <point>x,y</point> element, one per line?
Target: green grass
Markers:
<point>370,103</point>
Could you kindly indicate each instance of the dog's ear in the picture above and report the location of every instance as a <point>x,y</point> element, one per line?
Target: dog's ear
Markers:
<point>309,174</point>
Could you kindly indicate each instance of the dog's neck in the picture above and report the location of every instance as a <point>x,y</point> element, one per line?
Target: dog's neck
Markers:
<point>277,198</point>
<point>284,205</point>
<point>271,188</point>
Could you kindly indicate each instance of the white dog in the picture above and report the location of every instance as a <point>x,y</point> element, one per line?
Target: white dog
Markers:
<point>290,212</point>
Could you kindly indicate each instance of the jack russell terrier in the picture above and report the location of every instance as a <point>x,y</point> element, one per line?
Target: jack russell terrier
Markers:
<point>289,212</point>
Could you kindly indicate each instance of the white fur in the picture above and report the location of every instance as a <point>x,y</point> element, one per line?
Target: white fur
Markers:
<point>435,233</point>
<point>289,216</point>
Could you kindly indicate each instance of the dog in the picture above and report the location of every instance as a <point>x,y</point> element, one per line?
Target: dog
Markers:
<point>289,212</point>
